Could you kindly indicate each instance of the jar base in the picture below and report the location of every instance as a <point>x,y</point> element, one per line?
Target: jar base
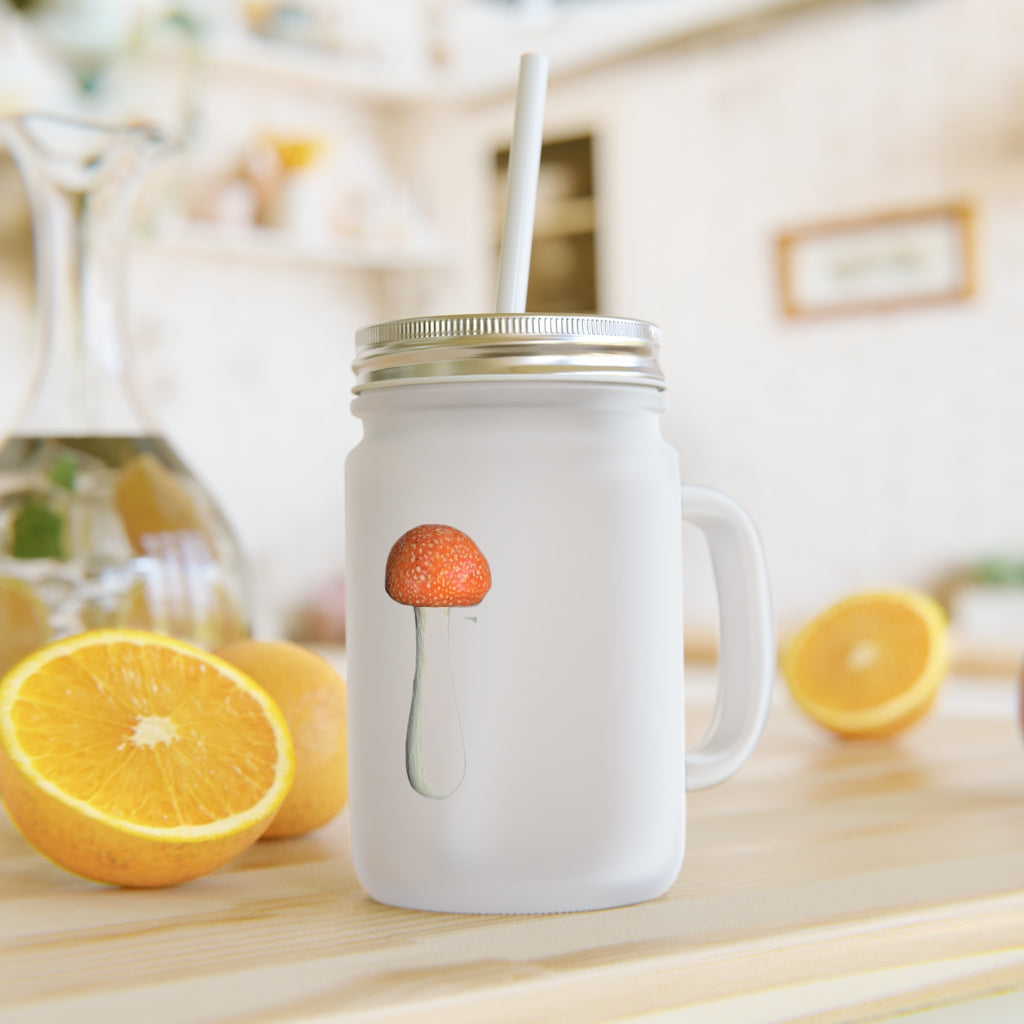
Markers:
<point>521,898</point>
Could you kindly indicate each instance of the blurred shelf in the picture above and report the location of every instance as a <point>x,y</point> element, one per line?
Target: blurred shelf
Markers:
<point>272,245</point>
<point>479,45</point>
<point>307,67</point>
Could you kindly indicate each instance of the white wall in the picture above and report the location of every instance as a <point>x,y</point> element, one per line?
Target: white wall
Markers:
<point>872,450</point>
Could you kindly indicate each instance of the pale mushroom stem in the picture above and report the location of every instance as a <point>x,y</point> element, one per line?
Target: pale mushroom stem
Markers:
<point>435,753</point>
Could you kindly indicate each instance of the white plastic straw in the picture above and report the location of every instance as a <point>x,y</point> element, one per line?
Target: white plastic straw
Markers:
<point>521,198</point>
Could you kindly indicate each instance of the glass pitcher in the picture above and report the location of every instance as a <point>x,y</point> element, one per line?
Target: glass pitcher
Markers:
<point>101,522</point>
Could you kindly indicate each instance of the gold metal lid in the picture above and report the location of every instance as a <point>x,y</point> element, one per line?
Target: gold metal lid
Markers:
<point>488,346</point>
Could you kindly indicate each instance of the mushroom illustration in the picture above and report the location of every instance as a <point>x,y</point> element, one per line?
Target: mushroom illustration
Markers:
<point>435,568</point>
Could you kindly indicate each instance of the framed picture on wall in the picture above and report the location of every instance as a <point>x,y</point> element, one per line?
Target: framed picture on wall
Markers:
<point>877,263</point>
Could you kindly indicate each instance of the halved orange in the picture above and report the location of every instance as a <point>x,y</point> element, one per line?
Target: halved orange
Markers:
<point>871,664</point>
<point>137,759</point>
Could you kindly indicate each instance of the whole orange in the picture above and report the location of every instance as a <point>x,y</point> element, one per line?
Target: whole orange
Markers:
<point>313,699</point>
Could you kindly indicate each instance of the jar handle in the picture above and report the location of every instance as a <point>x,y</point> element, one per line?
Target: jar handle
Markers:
<point>746,661</point>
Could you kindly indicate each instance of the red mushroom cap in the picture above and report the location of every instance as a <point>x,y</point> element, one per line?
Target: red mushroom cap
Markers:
<point>434,566</point>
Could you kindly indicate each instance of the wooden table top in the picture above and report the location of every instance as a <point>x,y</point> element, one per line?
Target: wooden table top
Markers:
<point>828,881</point>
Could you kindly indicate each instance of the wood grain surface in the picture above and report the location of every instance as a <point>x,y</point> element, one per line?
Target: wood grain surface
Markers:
<point>828,881</point>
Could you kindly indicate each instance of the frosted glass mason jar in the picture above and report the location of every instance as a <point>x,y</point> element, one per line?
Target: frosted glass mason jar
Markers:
<point>515,632</point>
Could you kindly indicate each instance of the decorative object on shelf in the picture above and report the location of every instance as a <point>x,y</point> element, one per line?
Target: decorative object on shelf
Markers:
<point>101,523</point>
<point>304,196</point>
<point>321,620</point>
<point>246,193</point>
<point>303,25</point>
<point>297,200</point>
<point>878,263</point>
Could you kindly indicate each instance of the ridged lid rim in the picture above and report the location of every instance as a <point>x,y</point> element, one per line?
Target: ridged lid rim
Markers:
<point>503,345</point>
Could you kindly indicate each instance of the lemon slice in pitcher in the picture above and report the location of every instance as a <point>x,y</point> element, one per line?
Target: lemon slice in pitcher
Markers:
<point>25,622</point>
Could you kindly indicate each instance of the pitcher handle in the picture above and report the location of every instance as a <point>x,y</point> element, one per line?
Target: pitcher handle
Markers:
<point>746,661</point>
